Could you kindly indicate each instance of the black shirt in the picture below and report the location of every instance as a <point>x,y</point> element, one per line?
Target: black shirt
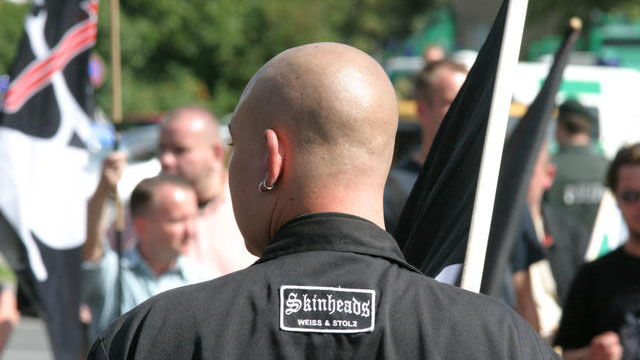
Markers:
<point>328,286</point>
<point>604,296</point>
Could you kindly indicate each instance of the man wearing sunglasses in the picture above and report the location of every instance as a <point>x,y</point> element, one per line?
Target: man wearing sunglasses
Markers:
<point>601,318</point>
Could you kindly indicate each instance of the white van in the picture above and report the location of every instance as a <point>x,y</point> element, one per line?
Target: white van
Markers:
<point>612,92</point>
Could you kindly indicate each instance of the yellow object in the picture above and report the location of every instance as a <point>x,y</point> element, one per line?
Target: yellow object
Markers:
<point>409,110</point>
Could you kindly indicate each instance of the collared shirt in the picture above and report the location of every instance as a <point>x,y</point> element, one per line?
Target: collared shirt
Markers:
<point>328,286</point>
<point>139,283</point>
<point>219,246</point>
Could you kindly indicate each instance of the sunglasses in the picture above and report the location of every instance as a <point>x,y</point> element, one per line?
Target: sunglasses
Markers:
<point>630,196</point>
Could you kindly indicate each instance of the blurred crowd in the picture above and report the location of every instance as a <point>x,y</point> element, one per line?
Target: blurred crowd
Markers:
<point>587,309</point>
<point>178,227</point>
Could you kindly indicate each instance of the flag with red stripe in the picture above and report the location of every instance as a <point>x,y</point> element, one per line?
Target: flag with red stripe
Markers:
<point>44,127</point>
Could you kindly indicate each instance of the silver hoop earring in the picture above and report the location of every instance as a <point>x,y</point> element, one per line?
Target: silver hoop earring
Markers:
<point>264,188</point>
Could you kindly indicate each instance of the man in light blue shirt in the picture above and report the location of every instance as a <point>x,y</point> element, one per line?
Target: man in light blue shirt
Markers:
<point>164,209</point>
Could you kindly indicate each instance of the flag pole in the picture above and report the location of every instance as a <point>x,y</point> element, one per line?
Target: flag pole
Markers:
<point>519,157</point>
<point>116,84</point>
<point>493,145</point>
<point>115,62</point>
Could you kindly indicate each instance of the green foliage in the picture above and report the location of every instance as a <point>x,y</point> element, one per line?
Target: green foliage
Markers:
<point>584,9</point>
<point>6,274</point>
<point>204,52</point>
<point>11,28</point>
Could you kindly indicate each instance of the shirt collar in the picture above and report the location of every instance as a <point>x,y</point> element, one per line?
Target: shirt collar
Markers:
<point>589,148</point>
<point>334,232</point>
<point>133,260</point>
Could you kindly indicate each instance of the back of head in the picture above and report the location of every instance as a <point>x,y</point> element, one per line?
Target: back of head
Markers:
<point>338,105</point>
<point>334,112</point>
<point>425,80</point>
<point>575,118</point>
<point>433,53</point>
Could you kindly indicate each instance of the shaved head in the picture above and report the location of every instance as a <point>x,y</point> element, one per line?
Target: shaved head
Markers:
<point>336,102</point>
<point>333,114</point>
<point>190,146</point>
<point>200,120</point>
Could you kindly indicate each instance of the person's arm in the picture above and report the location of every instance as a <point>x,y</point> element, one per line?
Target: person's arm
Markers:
<point>9,315</point>
<point>525,305</point>
<point>111,172</point>
<point>605,346</point>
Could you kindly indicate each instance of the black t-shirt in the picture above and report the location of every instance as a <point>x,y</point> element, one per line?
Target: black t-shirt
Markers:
<point>329,286</point>
<point>605,296</point>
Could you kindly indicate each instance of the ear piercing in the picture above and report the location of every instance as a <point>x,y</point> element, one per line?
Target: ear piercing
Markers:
<point>263,188</point>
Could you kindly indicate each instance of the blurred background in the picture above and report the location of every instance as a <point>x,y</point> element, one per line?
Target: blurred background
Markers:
<point>203,52</point>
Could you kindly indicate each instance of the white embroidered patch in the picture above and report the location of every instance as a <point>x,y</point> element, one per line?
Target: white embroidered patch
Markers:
<point>327,309</point>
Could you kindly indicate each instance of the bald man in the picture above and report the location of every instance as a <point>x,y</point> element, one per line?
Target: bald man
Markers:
<point>313,139</point>
<point>189,146</point>
<point>436,86</point>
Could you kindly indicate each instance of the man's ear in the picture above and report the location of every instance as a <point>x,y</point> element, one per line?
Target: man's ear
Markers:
<point>218,151</point>
<point>275,157</point>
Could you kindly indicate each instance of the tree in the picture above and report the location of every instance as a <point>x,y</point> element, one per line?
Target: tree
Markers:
<point>565,9</point>
<point>11,21</point>
<point>204,51</point>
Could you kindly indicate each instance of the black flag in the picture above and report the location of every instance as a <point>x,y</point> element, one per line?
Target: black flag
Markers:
<point>433,228</point>
<point>43,183</point>
<point>518,159</point>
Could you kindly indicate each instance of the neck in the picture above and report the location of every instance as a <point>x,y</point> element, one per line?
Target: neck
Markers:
<point>358,204</point>
<point>158,264</point>
<point>579,139</point>
<point>211,189</point>
<point>159,268</point>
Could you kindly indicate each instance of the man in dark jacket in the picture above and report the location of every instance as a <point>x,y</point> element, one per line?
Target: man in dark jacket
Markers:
<point>579,181</point>
<point>313,140</point>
